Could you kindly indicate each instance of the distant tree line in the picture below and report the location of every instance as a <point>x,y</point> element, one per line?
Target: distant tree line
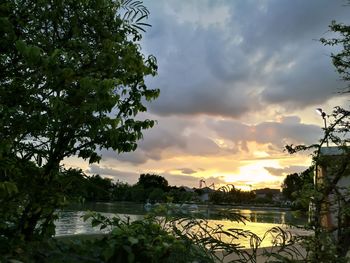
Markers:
<point>150,188</point>
<point>230,194</point>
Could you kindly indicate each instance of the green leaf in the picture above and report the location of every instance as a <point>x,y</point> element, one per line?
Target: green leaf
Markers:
<point>95,222</point>
<point>108,253</point>
<point>133,240</point>
<point>87,216</point>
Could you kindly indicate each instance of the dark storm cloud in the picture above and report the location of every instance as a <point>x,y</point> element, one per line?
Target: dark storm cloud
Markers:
<point>261,53</point>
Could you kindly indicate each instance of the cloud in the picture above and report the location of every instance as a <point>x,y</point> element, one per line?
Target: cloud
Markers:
<point>189,180</point>
<point>187,171</point>
<point>286,170</point>
<point>232,76</point>
<point>136,157</point>
<point>208,136</point>
<point>230,58</point>
<point>288,130</point>
<point>201,146</point>
<point>132,178</point>
<point>171,137</point>
<point>112,173</point>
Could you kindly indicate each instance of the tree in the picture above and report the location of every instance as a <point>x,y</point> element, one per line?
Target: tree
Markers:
<point>290,185</point>
<point>138,193</point>
<point>341,60</point>
<point>153,181</point>
<point>121,191</point>
<point>327,195</point>
<point>180,195</point>
<point>99,189</point>
<point>229,194</point>
<point>157,195</point>
<point>294,185</point>
<point>71,82</point>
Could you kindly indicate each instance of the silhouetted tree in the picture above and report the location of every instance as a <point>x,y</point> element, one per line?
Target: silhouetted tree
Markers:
<point>153,181</point>
<point>293,185</point>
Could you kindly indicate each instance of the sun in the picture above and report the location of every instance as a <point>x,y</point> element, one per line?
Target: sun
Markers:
<point>253,173</point>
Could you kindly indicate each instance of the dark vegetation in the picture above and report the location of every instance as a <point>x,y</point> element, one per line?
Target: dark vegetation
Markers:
<point>295,185</point>
<point>329,198</point>
<point>150,188</point>
<point>72,83</point>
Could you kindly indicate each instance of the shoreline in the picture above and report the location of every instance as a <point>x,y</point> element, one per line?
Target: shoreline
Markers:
<point>238,206</point>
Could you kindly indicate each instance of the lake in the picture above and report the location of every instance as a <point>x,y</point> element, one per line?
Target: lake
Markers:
<point>259,220</point>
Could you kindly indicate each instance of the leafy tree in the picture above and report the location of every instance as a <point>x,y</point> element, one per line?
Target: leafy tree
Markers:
<point>327,197</point>
<point>157,195</point>
<point>71,82</point>
<point>294,186</point>
<point>291,184</point>
<point>218,197</point>
<point>153,181</point>
<point>179,194</point>
<point>98,188</point>
<point>138,193</point>
<point>74,184</point>
<point>326,192</point>
<point>121,191</point>
<point>229,194</point>
<point>341,60</point>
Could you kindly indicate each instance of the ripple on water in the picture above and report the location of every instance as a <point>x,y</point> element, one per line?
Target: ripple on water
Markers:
<point>72,223</point>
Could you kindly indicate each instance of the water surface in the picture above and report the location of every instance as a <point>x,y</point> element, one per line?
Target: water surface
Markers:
<point>258,220</point>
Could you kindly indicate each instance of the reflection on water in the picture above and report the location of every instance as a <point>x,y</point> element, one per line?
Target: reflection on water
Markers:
<point>259,220</point>
<point>72,222</point>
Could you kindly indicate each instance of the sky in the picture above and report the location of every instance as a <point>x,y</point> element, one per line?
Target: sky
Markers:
<point>238,81</point>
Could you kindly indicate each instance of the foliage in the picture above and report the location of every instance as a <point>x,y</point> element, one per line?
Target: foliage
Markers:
<point>229,194</point>
<point>76,186</point>
<point>341,60</point>
<point>180,195</point>
<point>191,239</point>
<point>328,196</point>
<point>330,243</point>
<point>71,82</point>
<point>121,192</point>
<point>138,241</point>
<point>296,185</point>
<point>157,195</point>
<point>153,181</point>
<point>99,189</point>
<point>146,241</point>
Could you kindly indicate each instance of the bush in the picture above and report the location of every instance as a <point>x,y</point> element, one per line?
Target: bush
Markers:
<point>138,241</point>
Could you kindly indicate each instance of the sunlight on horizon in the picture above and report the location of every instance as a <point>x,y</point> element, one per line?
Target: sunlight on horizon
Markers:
<point>253,174</point>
